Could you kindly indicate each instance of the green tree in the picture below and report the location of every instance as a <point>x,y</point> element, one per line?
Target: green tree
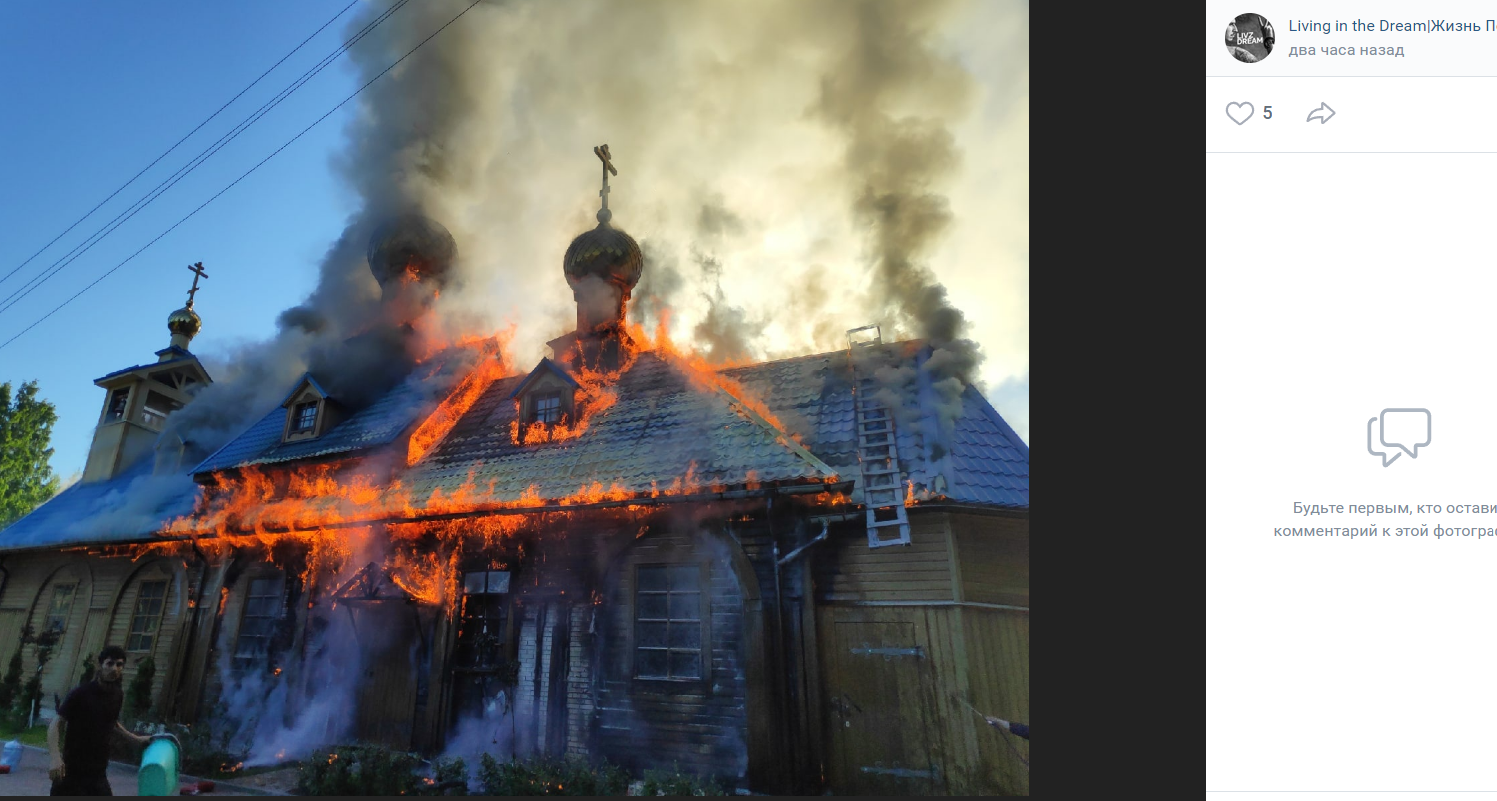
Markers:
<point>26,478</point>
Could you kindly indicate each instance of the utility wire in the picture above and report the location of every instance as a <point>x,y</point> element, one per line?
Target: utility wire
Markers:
<point>172,180</point>
<point>246,174</point>
<point>179,142</point>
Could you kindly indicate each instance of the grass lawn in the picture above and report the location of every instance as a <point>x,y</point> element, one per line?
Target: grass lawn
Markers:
<point>36,735</point>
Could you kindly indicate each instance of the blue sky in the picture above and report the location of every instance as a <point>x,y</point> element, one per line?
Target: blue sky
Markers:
<point>95,91</point>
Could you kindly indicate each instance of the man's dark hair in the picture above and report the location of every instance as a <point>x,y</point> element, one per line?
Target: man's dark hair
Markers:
<point>111,652</point>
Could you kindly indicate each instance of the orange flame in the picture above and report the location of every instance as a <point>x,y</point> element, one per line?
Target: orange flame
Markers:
<point>493,364</point>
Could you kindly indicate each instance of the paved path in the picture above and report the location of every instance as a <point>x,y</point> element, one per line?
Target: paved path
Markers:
<point>31,778</point>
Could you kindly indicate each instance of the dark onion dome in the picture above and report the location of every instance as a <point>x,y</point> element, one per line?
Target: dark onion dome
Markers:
<point>184,321</point>
<point>411,243</point>
<point>605,252</point>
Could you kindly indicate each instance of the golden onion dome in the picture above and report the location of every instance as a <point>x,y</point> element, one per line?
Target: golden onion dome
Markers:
<point>184,321</point>
<point>606,252</point>
<point>411,246</point>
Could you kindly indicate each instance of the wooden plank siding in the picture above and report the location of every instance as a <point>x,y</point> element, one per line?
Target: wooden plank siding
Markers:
<point>99,614</point>
<point>168,627</point>
<point>848,570</point>
<point>965,653</point>
<point>992,553</point>
<point>702,726</point>
<point>899,723</point>
<point>998,665</point>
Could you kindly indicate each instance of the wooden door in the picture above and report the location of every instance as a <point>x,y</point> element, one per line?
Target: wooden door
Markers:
<point>389,645</point>
<point>877,697</point>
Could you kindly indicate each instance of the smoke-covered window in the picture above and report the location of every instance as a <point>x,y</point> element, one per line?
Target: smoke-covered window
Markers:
<point>305,417</point>
<point>668,622</point>
<point>117,403</point>
<point>262,610</point>
<point>147,618</point>
<point>481,635</point>
<point>548,408</point>
<point>62,606</point>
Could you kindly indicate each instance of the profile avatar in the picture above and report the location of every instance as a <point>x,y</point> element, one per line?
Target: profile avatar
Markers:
<point>1250,38</point>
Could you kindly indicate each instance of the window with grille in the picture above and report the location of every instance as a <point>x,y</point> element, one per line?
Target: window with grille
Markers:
<point>668,622</point>
<point>262,611</point>
<point>62,605</point>
<point>304,418</point>
<point>548,408</point>
<point>117,403</point>
<point>147,618</point>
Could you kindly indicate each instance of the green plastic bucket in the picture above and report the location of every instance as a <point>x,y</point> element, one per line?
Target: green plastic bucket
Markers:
<point>158,767</point>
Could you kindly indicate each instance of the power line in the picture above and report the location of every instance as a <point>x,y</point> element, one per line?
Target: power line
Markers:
<point>197,161</point>
<point>179,142</point>
<point>246,174</point>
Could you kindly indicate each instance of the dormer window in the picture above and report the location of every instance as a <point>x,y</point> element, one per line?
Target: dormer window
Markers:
<point>547,408</point>
<point>304,419</point>
<point>546,399</point>
<point>310,411</point>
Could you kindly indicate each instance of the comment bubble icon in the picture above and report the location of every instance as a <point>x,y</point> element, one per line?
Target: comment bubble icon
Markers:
<point>1405,429</point>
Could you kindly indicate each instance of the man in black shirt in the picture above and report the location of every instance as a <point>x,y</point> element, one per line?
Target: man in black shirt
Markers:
<point>84,723</point>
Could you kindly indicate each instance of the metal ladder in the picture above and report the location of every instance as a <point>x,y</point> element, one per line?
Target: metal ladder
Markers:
<point>878,455</point>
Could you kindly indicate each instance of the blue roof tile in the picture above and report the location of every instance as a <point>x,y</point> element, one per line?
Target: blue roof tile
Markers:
<point>127,508</point>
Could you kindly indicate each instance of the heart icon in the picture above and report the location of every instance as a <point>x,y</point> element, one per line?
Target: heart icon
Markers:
<point>1240,112</point>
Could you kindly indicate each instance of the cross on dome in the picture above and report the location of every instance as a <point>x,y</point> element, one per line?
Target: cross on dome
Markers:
<point>604,215</point>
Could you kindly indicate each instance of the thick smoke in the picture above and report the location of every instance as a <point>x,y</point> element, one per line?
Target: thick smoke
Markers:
<point>783,165</point>
<point>895,167</point>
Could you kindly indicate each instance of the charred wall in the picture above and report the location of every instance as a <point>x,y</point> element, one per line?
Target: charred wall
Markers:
<point>700,724</point>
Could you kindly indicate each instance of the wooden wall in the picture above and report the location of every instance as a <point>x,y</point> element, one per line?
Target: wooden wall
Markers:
<point>101,614</point>
<point>700,726</point>
<point>992,557</point>
<point>910,636</point>
<point>846,569</point>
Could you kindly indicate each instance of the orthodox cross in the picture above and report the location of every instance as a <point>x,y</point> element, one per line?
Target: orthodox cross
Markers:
<point>197,272</point>
<point>607,159</point>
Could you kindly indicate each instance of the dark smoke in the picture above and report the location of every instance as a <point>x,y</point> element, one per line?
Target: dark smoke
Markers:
<point>895,167</point>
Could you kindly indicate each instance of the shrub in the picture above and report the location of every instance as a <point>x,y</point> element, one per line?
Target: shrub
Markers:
<point>138,697</point>
<point>674,783</point>
<point>450,776</point>
<point>10,686</point>
<point>359,770</point>
<point>548,776</point>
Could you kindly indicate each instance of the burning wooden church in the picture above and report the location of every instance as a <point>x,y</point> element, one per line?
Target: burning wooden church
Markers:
<point>796,575</point>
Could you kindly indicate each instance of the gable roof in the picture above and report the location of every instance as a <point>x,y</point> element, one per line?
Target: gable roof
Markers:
<point>661,430</point>
<point>377,424</point>
<point>663,425</point>
<point>380,423</point>
<point>305,380</point>
<point>987,463</point>
<point>546,366</point>
<point>184,358</point>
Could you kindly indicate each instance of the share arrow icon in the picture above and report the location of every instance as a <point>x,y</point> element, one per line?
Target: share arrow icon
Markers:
<point>1324,114</point>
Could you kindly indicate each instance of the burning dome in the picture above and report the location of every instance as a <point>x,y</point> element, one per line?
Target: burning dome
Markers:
<point>605,252</point>
<point>413,245</point>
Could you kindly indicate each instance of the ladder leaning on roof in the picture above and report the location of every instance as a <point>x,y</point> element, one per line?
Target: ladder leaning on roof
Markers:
<point>878,454</point>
